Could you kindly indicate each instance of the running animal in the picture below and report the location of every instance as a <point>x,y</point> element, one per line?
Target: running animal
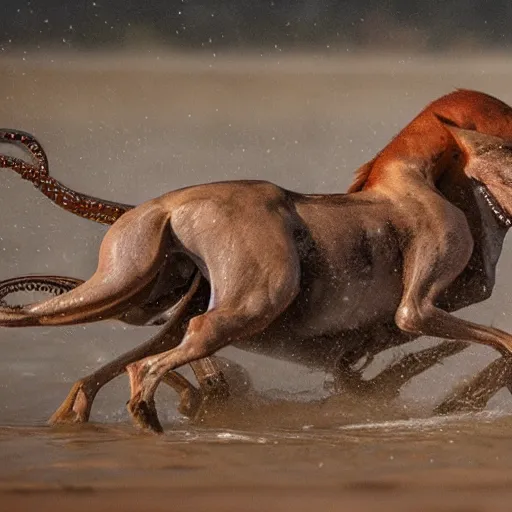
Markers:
<point>213,374</point>
<point>422,157</point>
<point>286,269</point>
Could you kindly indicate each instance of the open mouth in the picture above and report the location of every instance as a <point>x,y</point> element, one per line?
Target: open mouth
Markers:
<point>493,204</point>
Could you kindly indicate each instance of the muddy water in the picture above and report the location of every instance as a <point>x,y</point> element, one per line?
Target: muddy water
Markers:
<point>411,465</point>
<point>129,128</point>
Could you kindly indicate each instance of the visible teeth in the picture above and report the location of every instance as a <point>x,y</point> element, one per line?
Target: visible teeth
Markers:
<point>495,208</point>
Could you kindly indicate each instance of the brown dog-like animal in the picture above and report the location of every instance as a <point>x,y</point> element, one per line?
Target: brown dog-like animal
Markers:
<point>471,106</point>
<point>287,269</point>
<point>211,373</point>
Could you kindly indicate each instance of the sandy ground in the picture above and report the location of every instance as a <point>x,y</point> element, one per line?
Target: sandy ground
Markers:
<point>131,127</point>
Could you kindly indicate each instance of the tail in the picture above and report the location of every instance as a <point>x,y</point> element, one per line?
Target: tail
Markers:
<point>88,207</point>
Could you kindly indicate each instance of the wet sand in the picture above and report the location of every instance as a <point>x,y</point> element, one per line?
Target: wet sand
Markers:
<point>132,127</point>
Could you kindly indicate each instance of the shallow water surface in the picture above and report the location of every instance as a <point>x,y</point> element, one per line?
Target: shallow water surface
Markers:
<point>417,464</point>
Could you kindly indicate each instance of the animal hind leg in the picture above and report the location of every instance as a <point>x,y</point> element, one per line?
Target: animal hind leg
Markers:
<point>206,334</point>
<point>76,408</point>
<point>77,405</point>
<point>244,308</point>
<point>130,255</point>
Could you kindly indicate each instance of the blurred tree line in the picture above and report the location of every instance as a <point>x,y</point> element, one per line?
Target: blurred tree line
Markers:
<point>270,24</point>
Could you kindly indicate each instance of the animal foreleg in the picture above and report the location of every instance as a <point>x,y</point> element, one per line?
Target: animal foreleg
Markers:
<point>431,263</point>
<point>474,395</point>
<point>389,382</point>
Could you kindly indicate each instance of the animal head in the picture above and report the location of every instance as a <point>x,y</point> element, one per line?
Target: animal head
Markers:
<point>488,162</point>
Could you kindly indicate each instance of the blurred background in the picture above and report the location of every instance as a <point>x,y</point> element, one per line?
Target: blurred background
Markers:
<point>271,24</point>
<point>131,99</point>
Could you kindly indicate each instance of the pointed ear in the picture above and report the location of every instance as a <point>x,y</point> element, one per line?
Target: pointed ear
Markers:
<point>471,142</point>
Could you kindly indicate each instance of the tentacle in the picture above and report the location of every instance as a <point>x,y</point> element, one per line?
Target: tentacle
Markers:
<point>29,143</point>
<point>83,205</point>
<point>88,207</point>
<point>147,312</point>
<point>54,285</point>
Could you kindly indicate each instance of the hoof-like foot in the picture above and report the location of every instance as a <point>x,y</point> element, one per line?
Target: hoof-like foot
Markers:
<point>144,415</point>
<point>76,408</point>
<point>349,381</point>
<point>216,388</point>
<point>189,397</point>
<point>142,409</point>
<point>215,394</point>
<point>189,403</point>
<point>228,387</point>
